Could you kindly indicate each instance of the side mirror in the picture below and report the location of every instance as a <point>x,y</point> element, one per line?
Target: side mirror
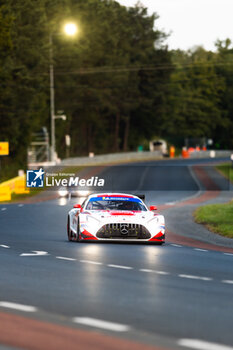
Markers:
<point>153,207</point>
<point>77,206</point>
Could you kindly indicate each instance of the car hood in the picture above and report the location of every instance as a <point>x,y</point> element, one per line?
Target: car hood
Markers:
<point>119,216</point>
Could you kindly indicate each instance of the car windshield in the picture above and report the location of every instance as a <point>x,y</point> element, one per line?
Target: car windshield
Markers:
<point>111,203</point>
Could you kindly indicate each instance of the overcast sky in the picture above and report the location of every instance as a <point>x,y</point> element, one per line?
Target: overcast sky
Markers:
<point>192,22</point>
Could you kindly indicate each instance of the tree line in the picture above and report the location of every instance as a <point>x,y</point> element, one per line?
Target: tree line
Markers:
<point>117,81</point>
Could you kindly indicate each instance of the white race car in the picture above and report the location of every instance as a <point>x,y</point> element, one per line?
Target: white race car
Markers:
<point>116,217</point>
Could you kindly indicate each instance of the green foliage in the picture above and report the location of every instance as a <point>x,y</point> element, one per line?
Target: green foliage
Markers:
<point>5,38</point>
<point>195,95</point>
<point>22,96</point>
<point>225,70</point>
<point>104,76</point>
<point>116,81</point>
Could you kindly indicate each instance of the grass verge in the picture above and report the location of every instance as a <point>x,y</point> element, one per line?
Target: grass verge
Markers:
<point>226,170</point>
<point>217,218</point>
<point>17,197</point>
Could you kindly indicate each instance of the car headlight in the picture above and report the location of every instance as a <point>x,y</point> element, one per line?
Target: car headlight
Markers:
<point>63,192</point>
<point>82,193</point>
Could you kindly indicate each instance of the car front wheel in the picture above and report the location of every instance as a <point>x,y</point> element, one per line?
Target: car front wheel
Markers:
<point>78,239</point>
<point>69,232</point>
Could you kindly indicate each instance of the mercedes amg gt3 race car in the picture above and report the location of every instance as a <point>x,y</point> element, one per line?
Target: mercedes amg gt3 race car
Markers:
<point>116,217</point>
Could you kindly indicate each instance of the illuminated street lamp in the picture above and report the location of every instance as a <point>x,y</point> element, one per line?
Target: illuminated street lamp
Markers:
<point>70,29</point>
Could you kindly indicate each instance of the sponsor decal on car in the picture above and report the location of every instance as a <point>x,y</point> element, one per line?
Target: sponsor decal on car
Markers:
<point>116,198</point>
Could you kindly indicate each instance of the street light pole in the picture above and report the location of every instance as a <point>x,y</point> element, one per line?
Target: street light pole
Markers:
<point>52,99</point>
<point>70,30</point>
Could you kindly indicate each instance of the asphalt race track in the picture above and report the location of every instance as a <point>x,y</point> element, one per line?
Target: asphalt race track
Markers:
<point>112,295</point>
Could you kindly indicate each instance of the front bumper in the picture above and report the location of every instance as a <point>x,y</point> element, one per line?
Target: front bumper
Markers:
<point>112,232</point>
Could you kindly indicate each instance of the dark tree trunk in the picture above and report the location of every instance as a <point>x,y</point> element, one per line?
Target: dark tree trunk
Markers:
<point>89,139</point>
<point>116,133</point>
<point>126,134</point>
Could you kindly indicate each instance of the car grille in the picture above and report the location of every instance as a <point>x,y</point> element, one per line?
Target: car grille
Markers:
<point>123,231</point>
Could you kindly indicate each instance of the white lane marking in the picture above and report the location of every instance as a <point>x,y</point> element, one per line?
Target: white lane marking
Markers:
<point>146,270</point>
<point>120,267</point>
<point>64,258</point>
<point>203,345</point>
<point>143,178</point>
<point>90,262</point>
<point>20,205</point>
<point>227,281</point>
<point>200,250</point>
<point>93,322</point>
<point>198,183</point>
<point>196,277</point>
<point>20,307</point>
<point>228,254</point>
<point>4,246</point>
<point>176,245</point>
<point>35,253</point>
<point>3,209</point>
<point>154,271</point>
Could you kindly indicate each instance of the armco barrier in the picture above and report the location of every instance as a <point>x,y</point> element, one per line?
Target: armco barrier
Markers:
<point>211,154</point>
<point>139,156</point>
<point>16,185</point>
<point>112,158</point>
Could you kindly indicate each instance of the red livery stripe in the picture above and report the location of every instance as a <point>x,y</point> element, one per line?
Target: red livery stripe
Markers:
<point>122,213</point>
<point>88,236</point>
<point>157,237</point>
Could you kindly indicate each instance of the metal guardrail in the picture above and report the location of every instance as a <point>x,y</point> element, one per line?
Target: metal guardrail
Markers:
<point>112,158</point>
<point>134,156</point>
<point>126,157</point>
<point>211,154</point>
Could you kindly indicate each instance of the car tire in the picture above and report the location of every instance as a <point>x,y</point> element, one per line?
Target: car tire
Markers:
<point>69,232</point>
<point>78,239</point>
